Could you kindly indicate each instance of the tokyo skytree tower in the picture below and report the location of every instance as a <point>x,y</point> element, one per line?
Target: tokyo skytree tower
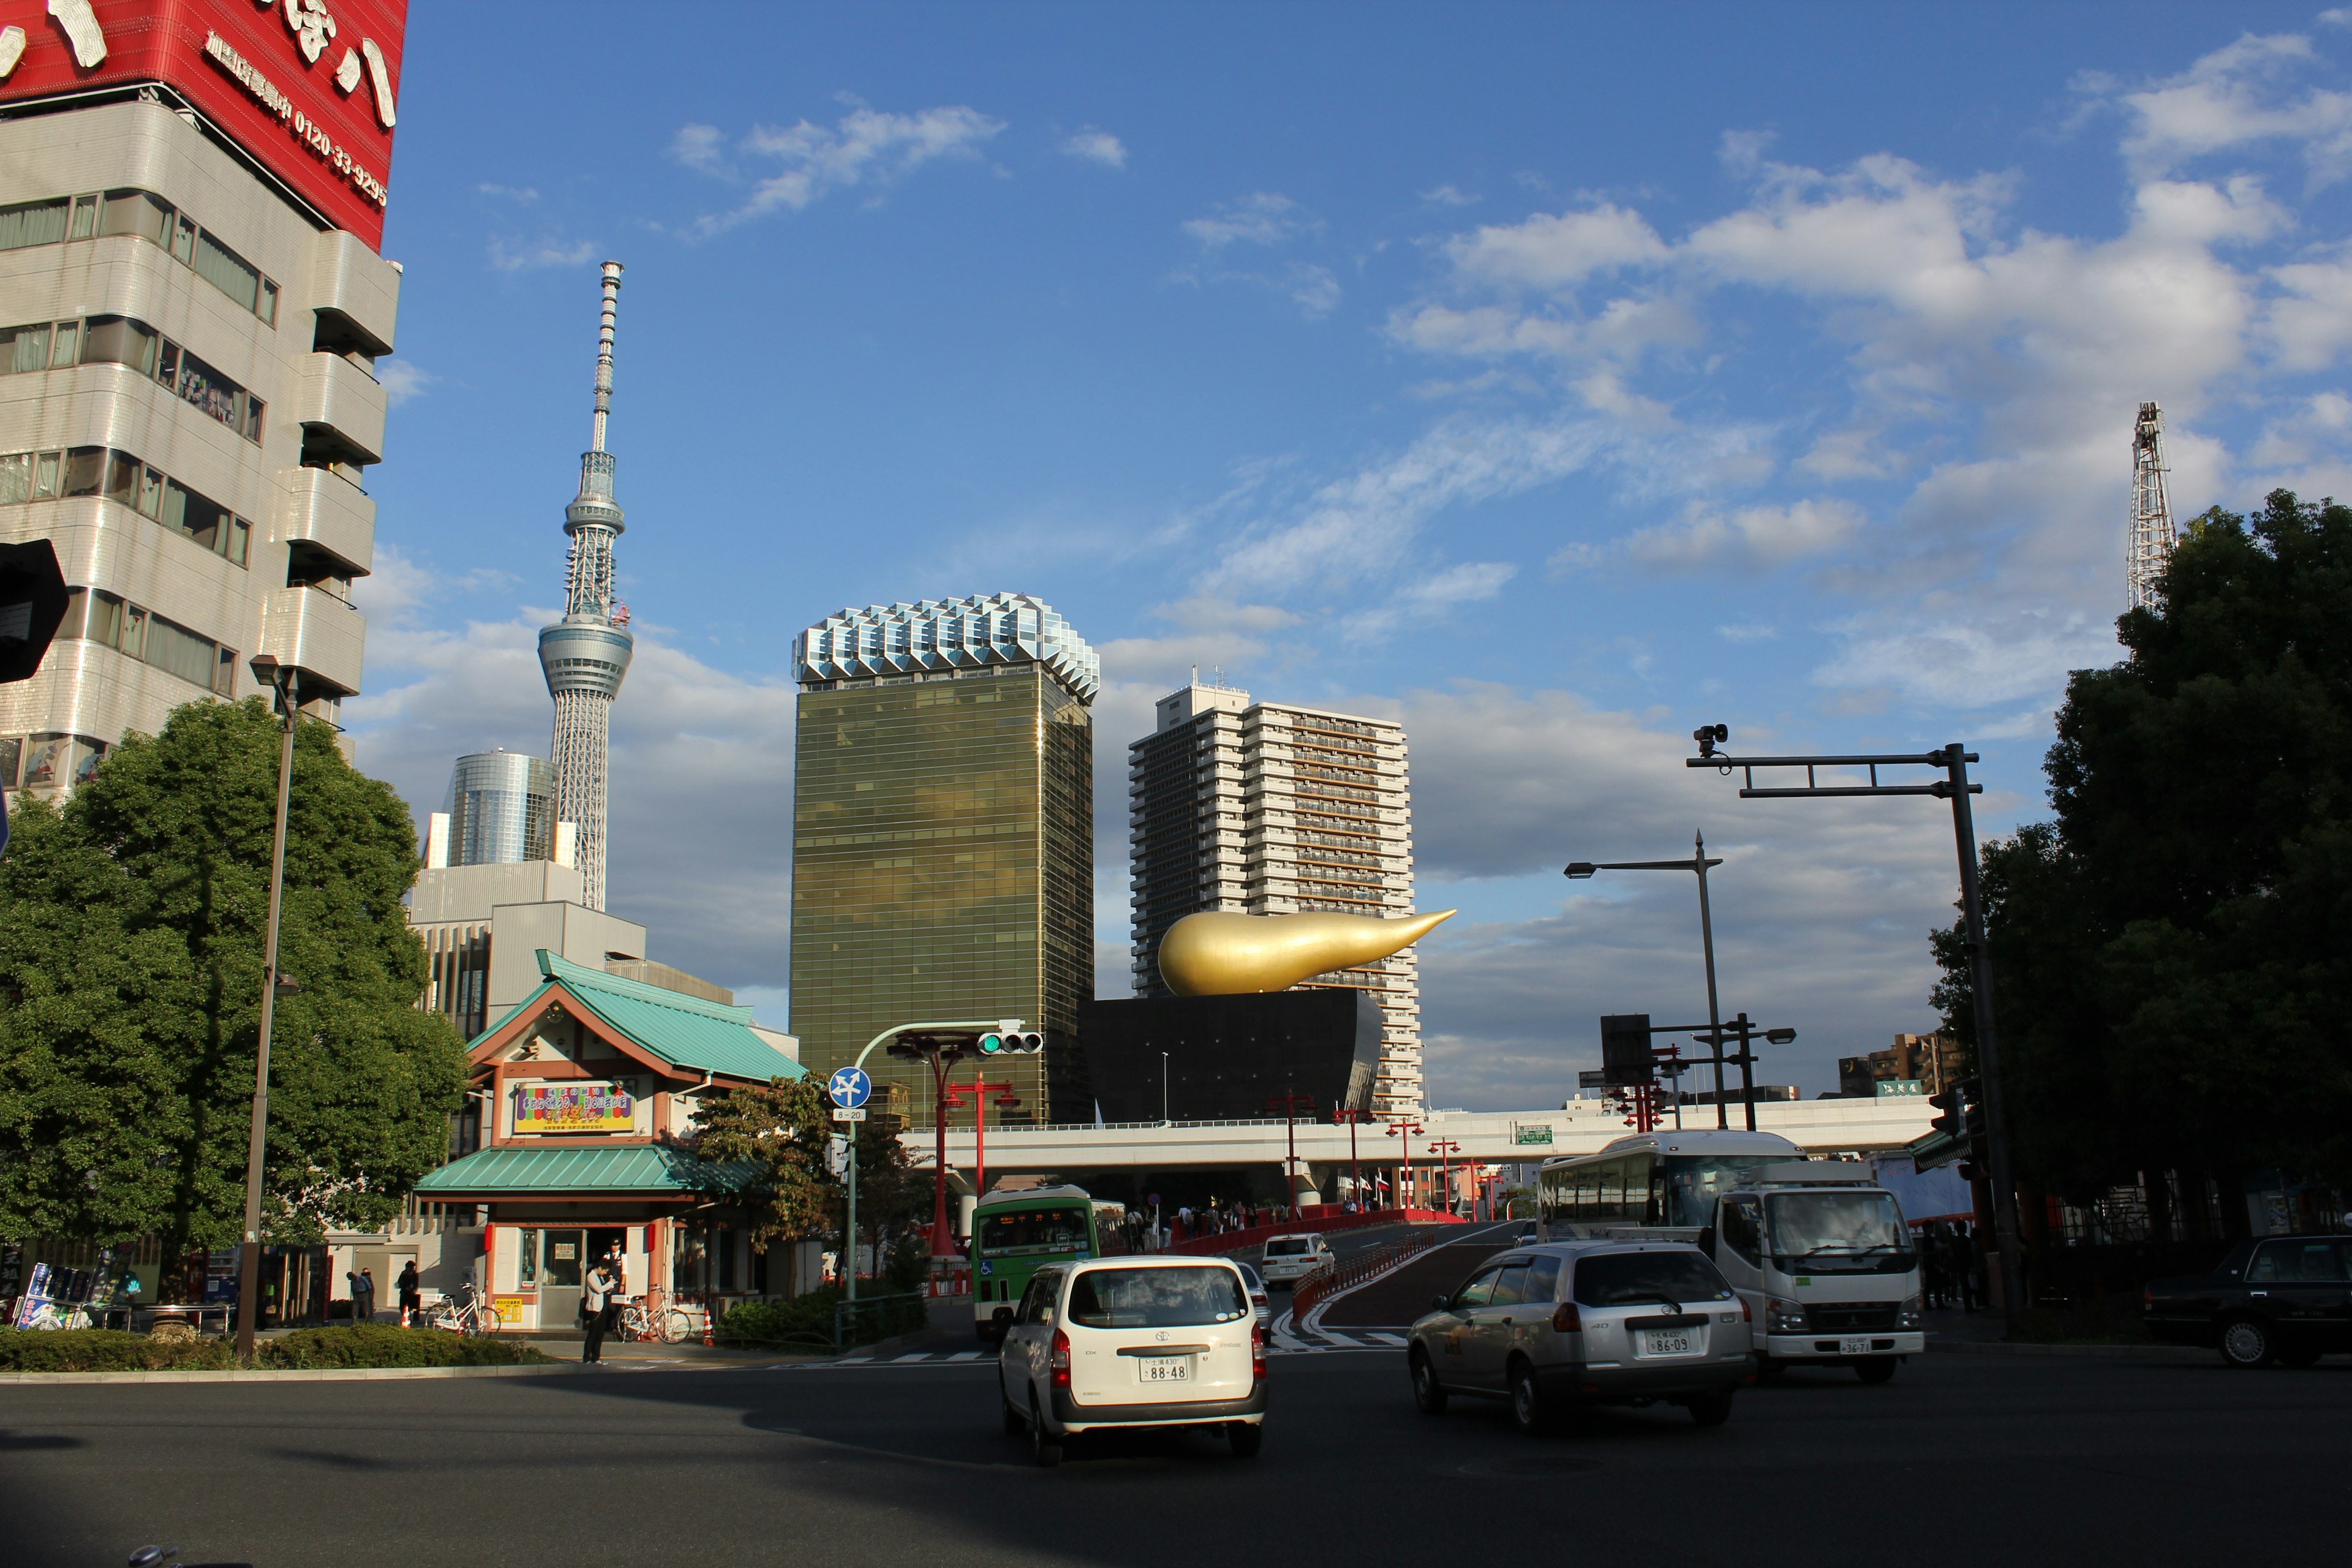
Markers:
<point>585,656</point>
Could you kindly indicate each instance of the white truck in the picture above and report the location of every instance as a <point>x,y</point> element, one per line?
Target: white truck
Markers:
<point>1823,1256</point>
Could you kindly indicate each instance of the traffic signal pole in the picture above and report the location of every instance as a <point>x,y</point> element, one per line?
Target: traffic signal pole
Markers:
<point>1954,759</point>
<point>849,1273</point>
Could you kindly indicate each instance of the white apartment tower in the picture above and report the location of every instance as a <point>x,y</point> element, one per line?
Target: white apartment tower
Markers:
<point>190,308</point>
<point>1269,809</point>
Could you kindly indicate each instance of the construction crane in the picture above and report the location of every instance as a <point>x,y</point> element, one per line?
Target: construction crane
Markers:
<point>2151,511</point>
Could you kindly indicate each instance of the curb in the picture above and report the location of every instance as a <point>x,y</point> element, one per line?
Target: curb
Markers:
<point>2095,1352</point>
<point>287,1374</point>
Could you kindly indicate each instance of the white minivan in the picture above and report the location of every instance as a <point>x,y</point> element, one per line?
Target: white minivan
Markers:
<point>1114,1342</point>
<point>1290,1259</point>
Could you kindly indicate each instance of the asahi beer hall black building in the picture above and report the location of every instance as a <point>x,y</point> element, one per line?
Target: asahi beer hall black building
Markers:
<point>1225,1055</point>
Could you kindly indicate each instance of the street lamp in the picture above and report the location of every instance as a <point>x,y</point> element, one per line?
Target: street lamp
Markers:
<point>1578,871</point>
<point>1445,1148</point>
<point>279,679</point>
<point>1355,1168</point>
<point>1290,1103</point>
<point>1407,1130</point>
<point>1163,1089</point>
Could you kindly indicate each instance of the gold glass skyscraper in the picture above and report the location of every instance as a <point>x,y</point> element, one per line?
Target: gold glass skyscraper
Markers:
<point>942,838</point>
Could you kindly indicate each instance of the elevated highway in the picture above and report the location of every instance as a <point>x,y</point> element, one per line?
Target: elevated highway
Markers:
<point>1818,1126</point>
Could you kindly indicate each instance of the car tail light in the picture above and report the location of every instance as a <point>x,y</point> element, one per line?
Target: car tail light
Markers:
<point>1060,1359</point>
<point>1564,1317</point>
<point>1257,1355</point>
<point>2147,1300</point>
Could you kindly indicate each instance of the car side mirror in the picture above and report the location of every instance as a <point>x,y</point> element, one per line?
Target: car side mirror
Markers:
<point>1706,1240</point>
<point>1440,1303</point>
<point>1046,1315</point>
<point>1001,1317</point>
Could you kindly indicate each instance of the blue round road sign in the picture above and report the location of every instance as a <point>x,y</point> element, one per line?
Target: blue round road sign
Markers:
<point>849,1086</point>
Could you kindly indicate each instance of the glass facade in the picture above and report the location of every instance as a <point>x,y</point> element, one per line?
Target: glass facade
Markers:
<point>501,809</point>
<point>943,868</point>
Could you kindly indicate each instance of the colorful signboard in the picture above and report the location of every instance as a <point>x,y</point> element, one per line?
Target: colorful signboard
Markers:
<point>574,1107</point>
<point>309,87</point>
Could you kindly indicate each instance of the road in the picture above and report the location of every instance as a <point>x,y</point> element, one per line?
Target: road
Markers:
<point>1962,1459</point>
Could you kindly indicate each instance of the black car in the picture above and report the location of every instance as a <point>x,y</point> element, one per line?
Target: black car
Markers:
<point>2284,1297</point>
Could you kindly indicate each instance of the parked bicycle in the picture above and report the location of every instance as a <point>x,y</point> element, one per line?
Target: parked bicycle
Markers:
<point>643,1319</point>
<point>463,1314</point>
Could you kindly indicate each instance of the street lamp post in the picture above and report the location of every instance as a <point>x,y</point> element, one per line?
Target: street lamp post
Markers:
<point>279,679</point>
<point>1954,759</point>
<point>1579,869</point>
<point>1289,1103</point>
<point>1405,1131</point>
<point>1355,1168</point>
<point>1445,1148</point>
<point>1163,1089</point>
<point>980,1088</point>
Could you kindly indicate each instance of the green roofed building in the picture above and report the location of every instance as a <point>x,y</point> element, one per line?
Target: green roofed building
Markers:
<point>942,838</point>
<point>587,1090</point>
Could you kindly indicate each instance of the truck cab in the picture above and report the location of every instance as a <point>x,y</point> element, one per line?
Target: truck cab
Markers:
<point>1824,1260</point>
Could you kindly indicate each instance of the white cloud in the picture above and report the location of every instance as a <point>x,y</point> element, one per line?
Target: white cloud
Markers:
<point>402,379</point>
<point>1751,632</point>
<point>867,148</point>
<point>1970,664</point>
<point>1550,250</point>
<point>1755,536</point>
<point>509,193</point>
<point>1449,196</point>
<point>529,255</point>
<point>1265,217</point>
<point>2239,95</point>
<point>1097,147</point>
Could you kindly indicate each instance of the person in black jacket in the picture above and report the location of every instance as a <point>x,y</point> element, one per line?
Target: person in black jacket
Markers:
<point>601,1307</point>
<point>412,1295</point>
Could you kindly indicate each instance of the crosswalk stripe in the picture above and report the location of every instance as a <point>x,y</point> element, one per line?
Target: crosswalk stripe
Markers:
<point>1333,1337</point>
<point>918,1355</point>
<point>965,1355</point>
<point>852,1361</point>
<point>1396,1340</point>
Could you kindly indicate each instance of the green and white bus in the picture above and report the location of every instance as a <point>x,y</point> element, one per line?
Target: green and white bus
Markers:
<point>1652,1181</point>
<point>1014,1234</point>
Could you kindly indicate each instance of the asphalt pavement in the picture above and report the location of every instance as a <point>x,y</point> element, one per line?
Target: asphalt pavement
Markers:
<point>1961,1459</point>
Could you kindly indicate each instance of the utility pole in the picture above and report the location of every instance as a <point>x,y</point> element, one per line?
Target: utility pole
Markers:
<point>279,679</point>
<point>1289,1103</point>
<point>1953,760</point>
<point>1578,871</point>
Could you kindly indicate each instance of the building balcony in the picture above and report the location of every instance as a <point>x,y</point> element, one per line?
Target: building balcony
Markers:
<point>341,408</point>
<point>317,634</point>
<point>332,513</point>
<point>356,293</point>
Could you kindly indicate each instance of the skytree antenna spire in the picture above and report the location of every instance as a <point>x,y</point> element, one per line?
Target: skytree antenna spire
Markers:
<point>2151,510</point>
<point>585,656</point>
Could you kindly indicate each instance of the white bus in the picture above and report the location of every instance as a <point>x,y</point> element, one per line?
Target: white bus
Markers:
<point>1664,1182</point>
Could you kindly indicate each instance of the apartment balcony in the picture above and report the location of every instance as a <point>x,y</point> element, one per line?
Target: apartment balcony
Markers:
<point>356,293</point>
<point>333,514</point>
<point>341,408</point>
<point>317,634</point>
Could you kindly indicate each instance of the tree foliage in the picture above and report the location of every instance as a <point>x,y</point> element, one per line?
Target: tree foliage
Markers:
<point>2170,953</point>
<point>130,973</point>
<point>779,1128</point>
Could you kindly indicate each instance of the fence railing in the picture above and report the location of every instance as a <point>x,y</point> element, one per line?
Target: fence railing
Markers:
<point>1333,1277</point>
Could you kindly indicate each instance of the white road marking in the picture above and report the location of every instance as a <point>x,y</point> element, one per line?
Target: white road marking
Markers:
<point>966,1356</point>
<point>1396,1340</point>
<point>918,1355</point>
<point>1333,1336</point>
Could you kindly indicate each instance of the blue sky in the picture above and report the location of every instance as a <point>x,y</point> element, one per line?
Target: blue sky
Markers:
<point>1552,378</point>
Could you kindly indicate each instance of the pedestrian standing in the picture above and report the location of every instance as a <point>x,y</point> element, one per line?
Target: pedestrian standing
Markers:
<point>364,1297</point>
<point>412,1295</point>
<point>598,1308</point>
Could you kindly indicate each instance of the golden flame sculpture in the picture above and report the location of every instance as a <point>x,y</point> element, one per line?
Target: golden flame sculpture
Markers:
<point>1229,954</point>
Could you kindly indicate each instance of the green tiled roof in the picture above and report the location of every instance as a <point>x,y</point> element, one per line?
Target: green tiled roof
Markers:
<point>637,1170</point>
<point>684,1031</point>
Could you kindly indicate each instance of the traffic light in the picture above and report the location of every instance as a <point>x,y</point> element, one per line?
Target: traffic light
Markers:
<point>1012,1043</point>
<point>1955,1106</point>
<point>32,606</point>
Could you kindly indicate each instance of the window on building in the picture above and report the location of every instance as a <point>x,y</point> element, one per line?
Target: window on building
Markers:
<point>32,223</point>
<point>228,271</point>
<point>119,340</point>
<point>24,349</point>
<point>136,212</point>
<point>12,753</point>
<point>118,476</point>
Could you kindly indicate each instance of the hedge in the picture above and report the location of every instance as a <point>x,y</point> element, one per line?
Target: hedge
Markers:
<point>112,1350</point>
<point>807,1320</point>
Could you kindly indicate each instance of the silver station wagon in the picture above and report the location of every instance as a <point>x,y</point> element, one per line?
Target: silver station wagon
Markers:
<point>1556,1327</point>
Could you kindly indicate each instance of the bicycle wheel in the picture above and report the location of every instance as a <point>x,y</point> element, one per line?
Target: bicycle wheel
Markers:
<point>675,1326</point>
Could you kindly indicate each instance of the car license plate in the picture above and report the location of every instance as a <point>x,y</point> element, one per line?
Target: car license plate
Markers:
<point>1853,1347</point>
<point>1667,1342</point>
<point>1167,1369</point>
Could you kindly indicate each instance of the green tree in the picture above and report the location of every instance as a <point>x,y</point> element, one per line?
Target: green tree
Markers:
<point>779,1128</point>
<point>2170,953</point>
<point>131,970</point>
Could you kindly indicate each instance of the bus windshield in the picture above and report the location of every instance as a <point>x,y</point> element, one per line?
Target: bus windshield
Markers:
<point>1838,1232</point>
<point>1032,1230</point>
<point>1693,1182</point>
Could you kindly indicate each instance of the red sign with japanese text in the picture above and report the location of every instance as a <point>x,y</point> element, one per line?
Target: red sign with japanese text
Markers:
<point>309,87</point>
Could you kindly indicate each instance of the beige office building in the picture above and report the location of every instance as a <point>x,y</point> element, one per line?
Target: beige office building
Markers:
<point>1265,808</point>
<point>187,410</point>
